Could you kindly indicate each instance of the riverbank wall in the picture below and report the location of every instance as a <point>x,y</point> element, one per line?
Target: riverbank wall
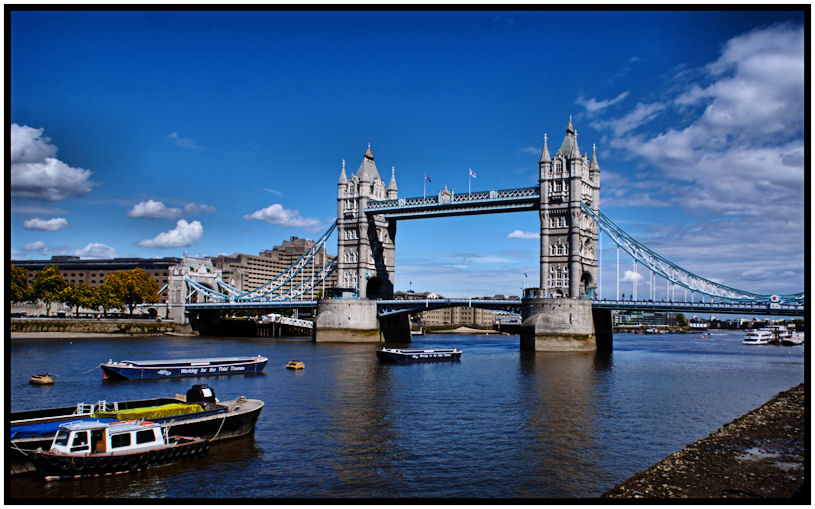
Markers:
<point>760,455</point>
<point>127,327</point>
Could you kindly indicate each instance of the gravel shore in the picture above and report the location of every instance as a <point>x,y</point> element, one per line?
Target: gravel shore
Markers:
<point>762,454</point>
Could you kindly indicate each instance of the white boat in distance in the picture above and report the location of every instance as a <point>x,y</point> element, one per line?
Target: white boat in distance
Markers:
<point>758,337</point>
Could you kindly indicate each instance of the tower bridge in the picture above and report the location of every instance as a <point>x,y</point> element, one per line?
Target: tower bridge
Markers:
<point>562,313</point>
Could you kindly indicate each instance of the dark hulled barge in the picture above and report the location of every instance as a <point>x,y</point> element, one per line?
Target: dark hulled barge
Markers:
<point>405,355</point>
<point>170,368</point>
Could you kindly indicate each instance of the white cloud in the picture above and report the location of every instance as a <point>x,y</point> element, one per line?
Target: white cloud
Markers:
<point>630,275</point>
<point>184,234</point>
<point>741,150</point>
<point>273,191</point>
<point>518,234</point>
<point>195,208</point>
<point>592,105</point>
<point>37,174</point>
<point>152,209</point>
<point>184,142</point>
<point>96,250</point>
<point>642,114</point>
<point>51,225</point>
<point>34,246</point>
<point>276,214</point>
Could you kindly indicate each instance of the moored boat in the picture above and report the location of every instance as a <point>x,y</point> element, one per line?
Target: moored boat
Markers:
<point>130,370</point>
<point>93,448</point>
<point>198,414</point>
<point>796,338</point>
<point>758,337</point>
<point>293,364</point>
<point>404,356</point>
<point>41,379</point>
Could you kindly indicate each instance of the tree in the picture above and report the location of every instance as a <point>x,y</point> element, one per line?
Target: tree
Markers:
<point>20,291</point>
<point>131,287</point>
<point>84,296</point>
<point>681,320</point>
<point>50,286</point>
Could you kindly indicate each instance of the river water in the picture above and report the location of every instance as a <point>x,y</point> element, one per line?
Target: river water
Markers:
<point>499,423</point>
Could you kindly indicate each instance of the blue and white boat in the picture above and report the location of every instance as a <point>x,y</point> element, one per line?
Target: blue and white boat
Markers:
<point>130,370</point>
<point>404,355</point>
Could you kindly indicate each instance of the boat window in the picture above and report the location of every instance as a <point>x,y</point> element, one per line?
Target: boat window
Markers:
<point>80,438</point>
<point>145,436</point>
<point>62,437</point>
<point>120,440</point>
<point>80,441</point>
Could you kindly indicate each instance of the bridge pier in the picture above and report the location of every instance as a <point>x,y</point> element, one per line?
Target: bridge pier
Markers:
<point>356,321</point>
<point>556,324</point>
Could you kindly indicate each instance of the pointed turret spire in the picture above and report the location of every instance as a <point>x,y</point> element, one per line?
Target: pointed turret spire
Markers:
<point>367,170</point>
<point>594,166</point>
<point>575,149</point>
<point>392,185</point>
<point>343,179</point>
<point>569,147</point>
<point>545,158</point>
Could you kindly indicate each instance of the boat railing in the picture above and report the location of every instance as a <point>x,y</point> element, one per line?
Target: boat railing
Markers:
<point>99,406</point>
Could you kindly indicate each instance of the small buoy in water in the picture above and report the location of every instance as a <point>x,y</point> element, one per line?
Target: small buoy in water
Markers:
<point>296,365</point>
<point>41,380</point>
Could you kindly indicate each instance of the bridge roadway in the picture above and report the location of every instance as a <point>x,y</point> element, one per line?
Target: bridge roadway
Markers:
<point>407,306</point>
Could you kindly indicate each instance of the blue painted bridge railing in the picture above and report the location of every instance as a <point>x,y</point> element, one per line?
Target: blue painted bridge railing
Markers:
<point>402,306</point>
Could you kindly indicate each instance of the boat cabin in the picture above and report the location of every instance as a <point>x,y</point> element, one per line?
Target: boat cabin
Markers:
<point>83,438</point>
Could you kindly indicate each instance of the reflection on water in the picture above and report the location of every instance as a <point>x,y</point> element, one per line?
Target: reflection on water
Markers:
<point>497,423</point>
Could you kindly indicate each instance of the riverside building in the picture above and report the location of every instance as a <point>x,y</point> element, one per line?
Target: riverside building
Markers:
<point>247,272</point>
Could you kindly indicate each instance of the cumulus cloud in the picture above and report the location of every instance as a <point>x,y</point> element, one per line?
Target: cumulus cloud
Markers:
<point>184,142</point>
<point>35,171</point>
<point>276,214</point>
<point>183,235</point>
<point>96,250</point>
<point>50,225</point>
<point>152,209</point>
<point>518,234</point>
<point>631,276</point>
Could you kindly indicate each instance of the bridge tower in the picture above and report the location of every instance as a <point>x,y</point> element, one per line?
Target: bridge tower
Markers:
<point>558,316</point>
<point>365,245</point>
<point>568,237</point>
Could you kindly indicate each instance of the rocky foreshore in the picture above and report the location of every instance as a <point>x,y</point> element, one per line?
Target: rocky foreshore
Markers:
<point>761,454</point>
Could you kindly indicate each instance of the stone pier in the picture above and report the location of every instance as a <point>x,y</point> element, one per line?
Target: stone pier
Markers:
<point>556,324</point>
<point>355,321</point>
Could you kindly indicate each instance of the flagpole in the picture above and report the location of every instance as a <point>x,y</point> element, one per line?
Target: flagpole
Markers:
<point>424,186</point>
<point>469,179</point>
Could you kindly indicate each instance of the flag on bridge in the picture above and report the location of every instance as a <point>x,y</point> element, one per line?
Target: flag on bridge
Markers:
<point>427,178</point>
<point>472,173</point>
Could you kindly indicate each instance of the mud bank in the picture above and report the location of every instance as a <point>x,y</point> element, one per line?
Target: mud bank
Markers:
<point>761,454</point>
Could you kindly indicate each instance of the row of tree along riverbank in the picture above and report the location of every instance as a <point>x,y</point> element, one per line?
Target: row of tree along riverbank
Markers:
<point>121,289</point>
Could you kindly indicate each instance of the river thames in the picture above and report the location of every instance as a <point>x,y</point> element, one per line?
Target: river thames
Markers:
<point>499,423</point>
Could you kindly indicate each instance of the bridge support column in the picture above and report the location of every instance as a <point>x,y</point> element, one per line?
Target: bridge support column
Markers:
<point>355,321</point>
<point>603,329</point>
<point>556,325</point>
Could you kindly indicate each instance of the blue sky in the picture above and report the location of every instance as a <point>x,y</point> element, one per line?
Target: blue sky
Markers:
<point>161,133</point>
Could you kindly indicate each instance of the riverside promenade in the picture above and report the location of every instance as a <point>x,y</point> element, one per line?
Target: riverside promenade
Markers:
<point>761,454</point>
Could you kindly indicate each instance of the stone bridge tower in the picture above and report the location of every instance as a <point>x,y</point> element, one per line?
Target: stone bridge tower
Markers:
<point>568,236</point>
<point>365,245</point>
